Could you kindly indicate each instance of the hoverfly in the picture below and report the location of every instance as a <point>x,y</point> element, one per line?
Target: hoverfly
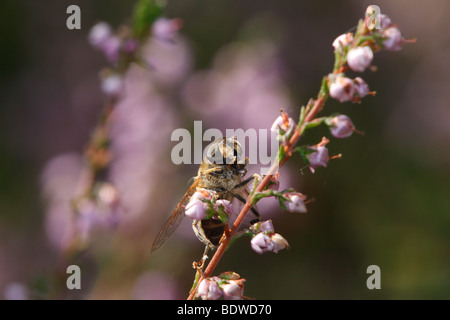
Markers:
<point>222,171</point>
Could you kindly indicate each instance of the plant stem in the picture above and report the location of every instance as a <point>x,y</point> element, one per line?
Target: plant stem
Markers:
<point>317,107</point>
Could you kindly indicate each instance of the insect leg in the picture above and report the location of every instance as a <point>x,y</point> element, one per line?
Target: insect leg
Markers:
<point>244,183</point>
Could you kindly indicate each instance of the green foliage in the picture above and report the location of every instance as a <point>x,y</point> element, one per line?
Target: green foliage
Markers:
<point>145,13</point>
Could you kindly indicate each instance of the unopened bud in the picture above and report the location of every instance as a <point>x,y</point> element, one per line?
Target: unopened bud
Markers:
<point>341,126</point>
<point>359,58</point>
<point>296,202</point>
<point>393,39</point>
<point>233,290</point>
<point>342,89</point>
<point>208,289</point>
<point>343,40</point>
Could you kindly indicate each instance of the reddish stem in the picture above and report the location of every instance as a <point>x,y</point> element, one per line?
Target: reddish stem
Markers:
<point>318,105</point>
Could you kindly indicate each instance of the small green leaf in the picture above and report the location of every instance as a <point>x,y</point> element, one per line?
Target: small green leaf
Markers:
<point>145,13</point>
<point>281,154</point>
<point>301,118</point>
<point>304,151</point>
<point>324,87</point>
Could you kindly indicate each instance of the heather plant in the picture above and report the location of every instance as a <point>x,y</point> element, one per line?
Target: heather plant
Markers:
<point>98,202</point>
<point>353,52</point>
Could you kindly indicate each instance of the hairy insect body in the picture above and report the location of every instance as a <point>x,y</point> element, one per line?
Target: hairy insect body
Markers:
<point>222,171</point>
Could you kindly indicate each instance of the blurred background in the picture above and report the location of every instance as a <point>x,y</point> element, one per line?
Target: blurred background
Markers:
<point>233,64</point>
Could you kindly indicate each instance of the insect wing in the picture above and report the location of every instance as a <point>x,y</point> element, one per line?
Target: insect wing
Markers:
<point>174,220</point>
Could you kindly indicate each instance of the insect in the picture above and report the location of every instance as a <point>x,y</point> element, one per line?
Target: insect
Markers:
<point>221,171</point>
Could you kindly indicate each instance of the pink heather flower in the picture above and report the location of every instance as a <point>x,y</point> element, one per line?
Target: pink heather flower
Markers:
<point>319,158</point>
<point>359,58</point>
<point>102,38</point>
<point>341,126</point>
<point>385,21</point>
<point>164,29</point>
<point>342,89</point>
<point>112,85</point>
<point>261,243</point>
<point>361,89</point>
<point>110,48</point>
<point>226,205</point>
<point>268,242</point>
<point>130,46</point>
<point>201,194</point>
<point>283,123</point>
<point>279,243</point>
<point>296,202</point>
<point>266,226</point>
<point>343,40</point>
<point>196,209</point>
<point>99,33</point>
<point>262,226</point>
<point>233,290</point>
<point>208,289</point>
<point>393,39</point>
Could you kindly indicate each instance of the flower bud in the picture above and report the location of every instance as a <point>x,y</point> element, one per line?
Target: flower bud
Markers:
<point>99,33</point>
<point>341,126</point>
<point>279,243</point>
<point>208,289</point>
<point>202,194</point>
<point>233,290</point>
<point>283,126</point>
<point>130,46</point>
<point>165,29</point>
<point>261,243</point>
<point>393,39</point>
<point>226,206</point>
<point>359,58</point>
<point>196,209</point>
<point>268,242</point>
<point>319,158</point>
<point>361,89</point>
<point>385,21</point>
<point>262,226</point>
<point>343,40</point>
<point>266,226</point>
<point>342,89</point>
<point>296,202</point>
<point>102,37</point>
<point>112,85</point>
<point>111,48</point>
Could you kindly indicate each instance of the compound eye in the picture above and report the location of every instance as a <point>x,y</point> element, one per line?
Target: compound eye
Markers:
<point>214,153</point>
<point>224,151</point>
<point>234,150</point>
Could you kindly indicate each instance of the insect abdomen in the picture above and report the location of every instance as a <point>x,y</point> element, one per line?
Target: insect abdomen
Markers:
<point>213,230</point>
